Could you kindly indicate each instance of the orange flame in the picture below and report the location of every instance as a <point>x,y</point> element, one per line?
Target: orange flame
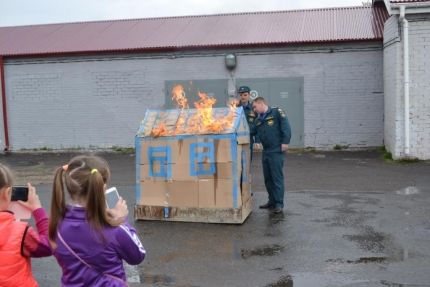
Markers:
<point>203,121</point>
<point>159,131</point>
<point>178,95</point>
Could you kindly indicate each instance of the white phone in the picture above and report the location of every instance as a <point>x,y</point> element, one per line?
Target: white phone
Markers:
<point>112,197</point>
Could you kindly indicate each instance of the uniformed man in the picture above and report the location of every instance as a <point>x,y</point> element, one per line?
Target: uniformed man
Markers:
<point>274,132</point>
<point>245,103</point>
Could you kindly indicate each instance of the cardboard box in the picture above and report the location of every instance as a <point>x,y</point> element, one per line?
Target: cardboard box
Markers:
<point>207,171</point>
<point>224,191</point>
<point>223,149</point>
<point>206,193</point>
<point>152,193</point>
<point>169,193</point>
<point>182,150</point>
<point>154,172</point>
<point>169,149</point>
<point>183,193</point>
<point>183,172</point>
<point>223,170</point>
<point>167,172</point>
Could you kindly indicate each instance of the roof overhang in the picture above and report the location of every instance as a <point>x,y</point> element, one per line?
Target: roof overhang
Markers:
<point>410,7</point>
<point>386,3</point>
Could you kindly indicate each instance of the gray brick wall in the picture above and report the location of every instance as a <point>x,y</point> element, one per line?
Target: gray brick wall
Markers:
<point>99,101</point>
<point>344,99</point>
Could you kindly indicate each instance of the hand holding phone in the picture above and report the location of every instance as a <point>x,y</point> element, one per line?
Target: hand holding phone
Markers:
<point>19,193</point>
<point>24,200</point>
<point>117,207</point>
<point>27,197</point>
<point>112,197</point>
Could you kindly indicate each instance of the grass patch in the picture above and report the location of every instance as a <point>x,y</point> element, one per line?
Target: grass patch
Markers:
<point>125,150</point>
<point>388,156</point>
<point>381,149</point>
<point>408,160</point>
<point>44,148</point>
<point>341,147</point>
<point>310,149</point>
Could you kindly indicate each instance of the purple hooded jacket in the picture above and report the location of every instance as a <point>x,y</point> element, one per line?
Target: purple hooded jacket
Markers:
<point>104,253</point>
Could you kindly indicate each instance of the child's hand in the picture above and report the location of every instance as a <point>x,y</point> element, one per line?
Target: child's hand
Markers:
<point>33,201</point>
<point>120,211</point>
<point>258,146</point>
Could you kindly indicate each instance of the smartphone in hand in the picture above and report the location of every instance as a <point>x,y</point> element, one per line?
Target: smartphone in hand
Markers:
<point>112,197</point>
<point>19,193</point>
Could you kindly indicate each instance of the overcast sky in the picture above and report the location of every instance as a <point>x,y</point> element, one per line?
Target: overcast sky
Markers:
<point>27,12</point>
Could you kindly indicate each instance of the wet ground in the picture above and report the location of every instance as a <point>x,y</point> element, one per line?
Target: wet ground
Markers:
<point>351,220</point>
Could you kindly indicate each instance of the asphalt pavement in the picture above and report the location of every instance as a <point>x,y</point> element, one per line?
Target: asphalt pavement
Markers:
<point>351,219</point>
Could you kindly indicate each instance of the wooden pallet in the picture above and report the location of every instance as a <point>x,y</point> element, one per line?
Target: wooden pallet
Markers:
<point>194,214</point>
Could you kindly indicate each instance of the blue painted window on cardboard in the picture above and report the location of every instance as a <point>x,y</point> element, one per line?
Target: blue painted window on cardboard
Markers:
<point>202,158</point>
<point>159,162</point>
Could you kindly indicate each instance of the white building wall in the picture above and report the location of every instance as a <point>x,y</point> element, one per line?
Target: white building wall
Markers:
<point>419,40</point>
<point>84,102</point>
<point>419,86</point>
<point>393,89</point>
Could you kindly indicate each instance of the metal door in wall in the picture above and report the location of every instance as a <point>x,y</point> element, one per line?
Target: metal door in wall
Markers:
<point>214,88</point>
<point>286,93</point>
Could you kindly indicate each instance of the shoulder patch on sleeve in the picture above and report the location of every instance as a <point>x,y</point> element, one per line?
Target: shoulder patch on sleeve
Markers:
<point>281,112</point>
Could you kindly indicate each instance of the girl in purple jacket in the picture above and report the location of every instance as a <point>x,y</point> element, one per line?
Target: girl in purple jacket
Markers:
<point>89,240</point>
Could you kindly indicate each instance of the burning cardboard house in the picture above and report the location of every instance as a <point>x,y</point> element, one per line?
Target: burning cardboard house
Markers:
<point>193,165</point>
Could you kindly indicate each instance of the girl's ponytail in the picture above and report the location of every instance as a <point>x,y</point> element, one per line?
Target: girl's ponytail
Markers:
<point>96,201</point>
<point>58,203</point>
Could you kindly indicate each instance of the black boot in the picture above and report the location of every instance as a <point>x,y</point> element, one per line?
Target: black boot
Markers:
<point>266,206</point>
<point>276,210</point>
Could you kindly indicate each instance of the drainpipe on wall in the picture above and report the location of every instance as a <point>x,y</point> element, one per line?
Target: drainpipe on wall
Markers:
<point>405,25</point>
<point>3,100</point>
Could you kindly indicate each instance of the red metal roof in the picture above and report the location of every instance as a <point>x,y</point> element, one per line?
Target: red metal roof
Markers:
<point>209,31</point>
<point>408,1</point>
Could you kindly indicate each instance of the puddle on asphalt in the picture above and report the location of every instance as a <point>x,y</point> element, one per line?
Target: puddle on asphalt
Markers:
<point>276,218</point>
<point>307,279</point>
<point>409,190</point>
<point>392,284</point>
<point>369,240</point>
<point>267,250</point>
<point>319,156</point>
<point>324,280</point>
<point>132,273</point>
<point>157,279</point>
<point>284,281</point>
<point>364,260</point>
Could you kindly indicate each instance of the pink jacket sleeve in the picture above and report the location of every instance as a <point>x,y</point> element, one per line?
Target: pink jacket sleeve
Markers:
<point>36,243</point>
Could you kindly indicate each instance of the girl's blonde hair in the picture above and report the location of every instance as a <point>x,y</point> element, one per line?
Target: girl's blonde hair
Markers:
<point>6,177</point>
<point>84,177</point>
